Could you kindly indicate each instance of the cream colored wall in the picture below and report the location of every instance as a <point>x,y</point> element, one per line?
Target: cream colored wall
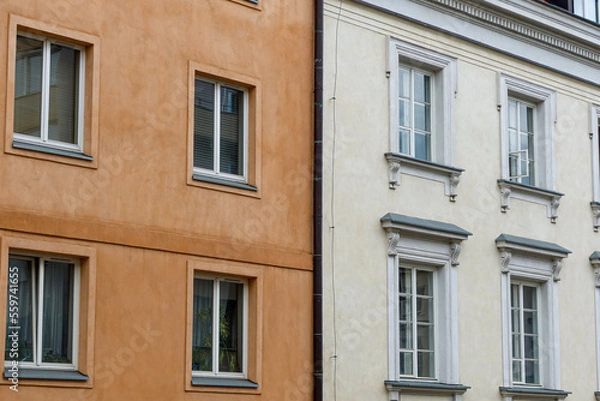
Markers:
<point>357,196</point>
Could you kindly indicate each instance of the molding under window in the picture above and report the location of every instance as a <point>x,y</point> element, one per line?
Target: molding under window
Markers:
<point>50,150</point>
<point>400,164</point>
<point>395,388</point>
<point>528,193</point>
<point>223,181</point>
<point>517,393</point>
<point>222,382</point>
<point>47,374</point>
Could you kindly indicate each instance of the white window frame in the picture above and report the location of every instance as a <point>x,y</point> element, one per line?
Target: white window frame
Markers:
<point>587,9</point>
<point>544,99</point>
<point>44,140</point>
<point>534,263</point>
<point>243,178</point>
<point>595,264</point>
<point>443,71</point>
<point>37,304</point>
<point>215,373</point>
<point>595,142</point>
<point>436,247</point>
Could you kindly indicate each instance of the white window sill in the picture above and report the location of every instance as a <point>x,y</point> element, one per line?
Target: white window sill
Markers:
<point>528,193</point>
<point>517,393</point>
<point>400,164</point>
<point>422,388</point>
<point>223,181</point>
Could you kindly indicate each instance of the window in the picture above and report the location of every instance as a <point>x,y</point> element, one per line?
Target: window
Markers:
<point>416,322</point>
<point>220,327</point>
<point>224,129</point>
<point>220,130</point>
<point>224,337</point>
<point>43,300</point>
<point>531,352</point>
<point>524,333</point>
<point>521,141</point>
<point>423,337</point>
<point>49,92</point>
<point>414,104</point>
<point>52,83</point>
<point>422,90</point>
<point>588,9</point>
<point>527,117</point>
<point>595,137</point>
<point>50,298</point>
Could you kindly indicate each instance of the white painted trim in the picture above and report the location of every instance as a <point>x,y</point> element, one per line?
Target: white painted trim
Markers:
<point>529,265</point>
<point>595,140</point>
<point>444,71</point>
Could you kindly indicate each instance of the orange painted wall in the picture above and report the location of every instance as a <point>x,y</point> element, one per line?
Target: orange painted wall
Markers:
<point>134,207</point>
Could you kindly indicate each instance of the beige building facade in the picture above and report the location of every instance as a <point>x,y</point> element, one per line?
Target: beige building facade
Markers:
<point>155,216</point>
<point>461,189</point>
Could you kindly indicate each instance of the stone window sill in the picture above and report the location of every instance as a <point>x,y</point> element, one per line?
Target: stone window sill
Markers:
<point>528,193</point>
<point>400,164</point>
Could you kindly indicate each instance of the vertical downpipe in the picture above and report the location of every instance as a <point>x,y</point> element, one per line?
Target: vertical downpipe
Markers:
<point>318,206</point>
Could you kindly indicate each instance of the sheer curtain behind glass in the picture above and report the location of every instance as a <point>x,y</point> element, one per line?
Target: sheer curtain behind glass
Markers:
<point>202,331</point>
<point>24,295</point>
<point>57,321</point>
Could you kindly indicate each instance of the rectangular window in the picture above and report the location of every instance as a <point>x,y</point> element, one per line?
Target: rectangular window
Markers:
<point>219,333</point>
<point>220,130</point>
<point>588,9</point>
<point>416,322</point>
<point>525,334</point>
<point>415,112</point>
<point>521,141</point>
<point>43,308</point>
<point>48,93</point>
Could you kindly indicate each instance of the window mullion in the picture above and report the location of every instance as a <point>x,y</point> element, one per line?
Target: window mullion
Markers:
<point>217,128</point>
<point>414,347</point>
<point>522,331</point>
<point>40,314</point>
<point>44,115</point>
<point>412,111</point>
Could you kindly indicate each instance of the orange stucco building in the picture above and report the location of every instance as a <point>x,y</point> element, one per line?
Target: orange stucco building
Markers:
<point>155,211</point>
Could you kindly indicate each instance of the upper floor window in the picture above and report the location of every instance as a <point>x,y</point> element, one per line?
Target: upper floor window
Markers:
<point>220,130</point>
<point>521,141</point>
<point>422,90</point>
<point>48,94</point>
<point>588,9</point>
<point>415,109</point>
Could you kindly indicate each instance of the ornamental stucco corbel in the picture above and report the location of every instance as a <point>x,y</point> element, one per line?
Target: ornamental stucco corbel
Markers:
<point>596,215</point>
<point>394,172</point>
<point>505,257</point>
<point>455,248</point>
<point>556,268</point>
<point>393,239</point>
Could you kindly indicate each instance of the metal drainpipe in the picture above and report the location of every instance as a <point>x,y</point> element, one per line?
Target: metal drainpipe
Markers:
<point>318,207</point>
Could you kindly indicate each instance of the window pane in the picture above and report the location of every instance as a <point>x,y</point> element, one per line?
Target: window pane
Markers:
<point>513,143</point>
<point>19,311</point>
<point>28,86</point>
<point>526,114</point>
<point>64,87</point>
<point>57,318</point>
<point>516,369</point>
<point>422,117</point>
<point>406,336</point>
<point>424,282</point>
<point>406,363</point>
<point>232,131</point>
<point>404,138</point>
<point>514,296</point>
<point>405,284</point>
<point>422,88</point>
<point>231,326</point>
<point>516,346</point>
<point>422,146</point>
<point>532,374</point>
<point>425,310</point>
<point>404,110</point>
<point>202,337</point>
<point>529,297</point>
<point>404,82</point>
<point>516,321</point>
<point>425,363</point>
<point>425,337</point>
<point>531,347</point>
<point>204,125</point>
<point>405,308</point>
